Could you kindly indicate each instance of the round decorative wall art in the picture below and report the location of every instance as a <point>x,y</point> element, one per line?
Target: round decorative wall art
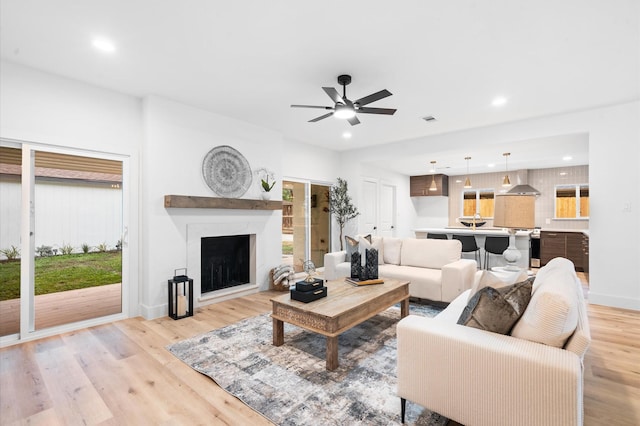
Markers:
<point>226,172</point>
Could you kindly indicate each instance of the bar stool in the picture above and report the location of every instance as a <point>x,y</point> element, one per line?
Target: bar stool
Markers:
<point>433,236</point>
<point>469,245</point>
<point>494,245</point>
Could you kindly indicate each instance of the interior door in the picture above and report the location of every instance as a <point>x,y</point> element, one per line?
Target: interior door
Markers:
<point>369,207</point>
<point>387,210</point>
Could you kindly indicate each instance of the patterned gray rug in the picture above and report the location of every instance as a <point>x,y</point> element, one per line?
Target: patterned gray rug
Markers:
<point>289,384</point>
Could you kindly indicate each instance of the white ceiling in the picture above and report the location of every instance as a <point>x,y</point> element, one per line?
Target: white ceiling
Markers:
<point>251,59</point>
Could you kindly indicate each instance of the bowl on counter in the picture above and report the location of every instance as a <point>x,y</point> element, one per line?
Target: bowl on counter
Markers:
<point>469,224</point>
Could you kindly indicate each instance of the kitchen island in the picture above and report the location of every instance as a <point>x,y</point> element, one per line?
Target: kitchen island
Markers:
<point>523,241</point>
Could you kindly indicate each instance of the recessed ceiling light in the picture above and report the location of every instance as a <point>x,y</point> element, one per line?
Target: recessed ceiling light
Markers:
<point>567,158</point>
<point>499,101</point>
<point>104,45</point>
<point>563,173</point>
<point>491,165</point>
<point>347,135</point>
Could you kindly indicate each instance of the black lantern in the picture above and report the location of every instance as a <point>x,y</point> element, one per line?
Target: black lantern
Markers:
<point>180,295</point>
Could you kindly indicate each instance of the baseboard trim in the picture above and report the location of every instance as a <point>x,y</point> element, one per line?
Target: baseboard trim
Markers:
<point>153,312</point>
<point>613,301</point>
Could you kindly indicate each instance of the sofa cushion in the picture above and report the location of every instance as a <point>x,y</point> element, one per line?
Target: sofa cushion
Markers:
<point>425,253</point>
<point>424,283</point>
<point>371,243</point>
<point>489,279</point>
<point>352,245</point>
<point>552,315</point>
<point>391,248</point>
<point>497,309</point>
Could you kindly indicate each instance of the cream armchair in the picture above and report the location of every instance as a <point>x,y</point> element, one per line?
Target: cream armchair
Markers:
<point>476,377</point>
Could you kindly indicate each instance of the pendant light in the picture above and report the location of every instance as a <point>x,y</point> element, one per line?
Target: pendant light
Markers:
<point>433,186</point>
<point>505,181</point>
<point>467,181</point>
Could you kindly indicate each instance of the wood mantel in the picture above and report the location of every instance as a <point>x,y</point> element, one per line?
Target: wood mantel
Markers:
<point>193,202</point>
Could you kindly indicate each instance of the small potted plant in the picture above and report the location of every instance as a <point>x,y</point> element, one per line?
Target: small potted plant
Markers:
<point>267,182</point>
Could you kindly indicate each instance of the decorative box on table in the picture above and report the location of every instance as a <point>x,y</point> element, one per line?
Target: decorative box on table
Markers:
<point>309,296</point>
<point>309,285</point>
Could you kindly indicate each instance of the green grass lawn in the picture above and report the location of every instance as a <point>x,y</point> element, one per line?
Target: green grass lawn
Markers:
<point>61,273</point>
<point>287,247</point>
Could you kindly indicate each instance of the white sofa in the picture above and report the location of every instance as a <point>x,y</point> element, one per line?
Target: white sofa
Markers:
<point>534,376</point>
<point>433,267</point>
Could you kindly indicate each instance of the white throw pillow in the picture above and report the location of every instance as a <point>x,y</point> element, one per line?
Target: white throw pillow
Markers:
<point>552,314</point>
<point>376,243</point>
<point>391,248</point>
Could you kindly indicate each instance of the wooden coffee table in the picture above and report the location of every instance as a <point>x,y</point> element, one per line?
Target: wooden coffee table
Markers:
<point>344,307</point>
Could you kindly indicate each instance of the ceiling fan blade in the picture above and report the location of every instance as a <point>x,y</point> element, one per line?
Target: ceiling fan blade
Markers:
<point>334,95</point>
<point>311,106</point>
<point>367,110</point>
<point>321,117</point>
<point>353,121</point>
<point>373,97</point>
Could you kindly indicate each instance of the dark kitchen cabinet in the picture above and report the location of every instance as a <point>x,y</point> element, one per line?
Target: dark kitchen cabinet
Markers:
<point>419,185</point>
<point>571,245</point>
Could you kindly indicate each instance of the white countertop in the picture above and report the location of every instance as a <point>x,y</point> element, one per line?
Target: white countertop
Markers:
<point>478,231</point>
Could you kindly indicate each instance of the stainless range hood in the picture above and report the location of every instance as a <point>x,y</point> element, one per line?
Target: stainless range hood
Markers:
<point>523,187</point>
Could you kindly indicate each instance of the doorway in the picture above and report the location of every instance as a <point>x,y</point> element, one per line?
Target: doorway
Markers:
<point>306,225</point>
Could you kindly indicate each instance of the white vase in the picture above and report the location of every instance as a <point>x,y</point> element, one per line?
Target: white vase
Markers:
<point>266,195</point>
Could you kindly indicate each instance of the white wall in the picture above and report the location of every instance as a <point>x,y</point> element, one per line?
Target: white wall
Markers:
<point>309,162</point>
<point>42,108</point>
<point>66,214</point>
<point>177,138</point>
<point>614,185</point>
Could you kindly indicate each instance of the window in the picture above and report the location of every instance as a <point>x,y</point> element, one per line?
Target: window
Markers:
<point>572,201</point>
<point>477,201</point>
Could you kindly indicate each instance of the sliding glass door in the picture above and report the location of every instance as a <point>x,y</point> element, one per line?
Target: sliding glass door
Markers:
<point>69,221</point>
<point>305,223</point>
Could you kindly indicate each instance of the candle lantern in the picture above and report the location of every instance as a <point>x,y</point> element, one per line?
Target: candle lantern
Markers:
<point>180,290</point>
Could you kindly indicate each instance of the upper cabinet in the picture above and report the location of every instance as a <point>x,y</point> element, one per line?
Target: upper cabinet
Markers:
<point>419,186</point>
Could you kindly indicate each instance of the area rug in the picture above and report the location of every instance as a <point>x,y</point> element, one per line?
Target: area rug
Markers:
<point>290,385</point>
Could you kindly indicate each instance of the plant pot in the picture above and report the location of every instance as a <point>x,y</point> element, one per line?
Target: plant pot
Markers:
<point>265,195</point>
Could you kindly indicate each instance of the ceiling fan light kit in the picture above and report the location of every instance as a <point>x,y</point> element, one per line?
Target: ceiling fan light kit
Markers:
<point>346,109</point>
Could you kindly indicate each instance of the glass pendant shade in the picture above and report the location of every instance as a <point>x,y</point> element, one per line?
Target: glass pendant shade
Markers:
<point>433,186</point>
<point>506,181</point>
<point>467,181</point>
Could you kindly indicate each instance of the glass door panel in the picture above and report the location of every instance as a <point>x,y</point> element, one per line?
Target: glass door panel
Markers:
<point>10,248</point>
<point>295,238</point>
<point>320,223</point>
<point>78,230</point>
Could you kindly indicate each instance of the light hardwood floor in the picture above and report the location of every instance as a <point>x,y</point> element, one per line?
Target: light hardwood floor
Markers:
<point>120,373</point>
<point>63,307</point>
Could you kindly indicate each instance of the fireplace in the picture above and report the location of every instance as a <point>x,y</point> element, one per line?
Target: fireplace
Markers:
<point>225,262</point>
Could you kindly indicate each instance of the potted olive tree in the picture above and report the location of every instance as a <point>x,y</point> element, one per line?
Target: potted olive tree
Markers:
<point>340,205</point>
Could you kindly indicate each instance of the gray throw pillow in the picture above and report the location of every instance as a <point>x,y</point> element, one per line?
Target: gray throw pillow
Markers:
<point>351,245</point>
<point>497,309</point>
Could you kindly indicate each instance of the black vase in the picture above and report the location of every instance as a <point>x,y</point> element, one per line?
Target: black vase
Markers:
<point>372,264</point>
<point>355,265</point>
